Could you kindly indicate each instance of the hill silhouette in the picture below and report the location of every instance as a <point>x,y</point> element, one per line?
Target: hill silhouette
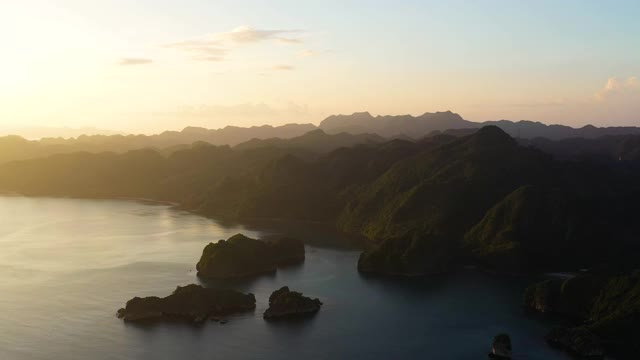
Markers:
<point>423,125</point>
<point>314,141</point>
<point>17,148</point>
<point>363,127</point>
<point>425,205</point>
<point>389,126</point>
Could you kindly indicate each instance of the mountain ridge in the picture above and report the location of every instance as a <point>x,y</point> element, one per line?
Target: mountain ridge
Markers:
<point>422,125</point>
<point>358,127</point>
<point>424,205</point>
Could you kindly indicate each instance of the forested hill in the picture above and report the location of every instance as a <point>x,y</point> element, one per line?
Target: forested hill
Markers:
<point>425,206</point>
<point>17,148</point>
<point>418,126</point>
<point>346,130</point>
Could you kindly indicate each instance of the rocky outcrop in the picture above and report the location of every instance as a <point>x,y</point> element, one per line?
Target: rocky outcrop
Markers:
<point>578,341</point>
<point>501,347</point>
<point>544,296</point>
<point>284,303</point>
<point>571,297</point>
<point>240,256</point>
<point>426,256</point>
<point>191,303</point>
<point>604,306</point>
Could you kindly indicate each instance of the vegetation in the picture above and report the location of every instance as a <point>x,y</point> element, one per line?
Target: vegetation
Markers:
<point>425,206</point>
<point>240,256</point>
<point>17,148</point>
<point>604,304</point>
<point>501,347</point>
<point>191,303</point>
<point>339,131</point>
<point>429,123</point>
<point>284,303</point>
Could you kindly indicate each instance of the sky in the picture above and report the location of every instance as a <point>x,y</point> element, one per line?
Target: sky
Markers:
<point>150,65</point>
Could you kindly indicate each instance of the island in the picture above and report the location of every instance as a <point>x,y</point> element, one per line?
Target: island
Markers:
<point>603,307</point>
<point>191,303</point>
<point>240,256</point>
<point>501,347</point>
<point>284,303</point>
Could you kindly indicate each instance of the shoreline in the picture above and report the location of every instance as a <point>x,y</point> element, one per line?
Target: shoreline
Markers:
<point>11,194</point>
<point>360,241</point>
<point>144,200</point>
<point>356,242</point>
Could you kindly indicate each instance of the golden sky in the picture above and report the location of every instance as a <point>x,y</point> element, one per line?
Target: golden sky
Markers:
<point>148,66</point>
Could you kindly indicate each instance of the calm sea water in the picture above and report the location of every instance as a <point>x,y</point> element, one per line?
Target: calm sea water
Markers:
<point>67,265</point>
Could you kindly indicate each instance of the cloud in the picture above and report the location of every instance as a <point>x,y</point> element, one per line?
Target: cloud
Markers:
<point>617,103</point>
<point>282,67</point>
<point>209,58</point>
<point>311,53</point>
<point>247,34</point>
<point>619,89</point>
<point>200,49</point>
<point>289,41</point>
<point>307,53</point>
<point>134,61</point>
<point>215,47</point>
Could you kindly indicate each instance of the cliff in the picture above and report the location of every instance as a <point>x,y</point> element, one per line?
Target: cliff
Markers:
<point>191,303</point>
<point>240,256</point>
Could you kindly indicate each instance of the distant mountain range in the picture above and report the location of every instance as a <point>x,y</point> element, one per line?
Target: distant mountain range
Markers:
<point>316,141</point>
<point>393,126</point>
<point>424,199</point>
<point>39,132</point>
<point>425,206</point>
<point>420,126</point>
<point>18,148</point>
<point>334,132</point>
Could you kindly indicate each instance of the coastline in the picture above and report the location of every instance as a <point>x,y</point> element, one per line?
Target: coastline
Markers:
<point>147,201</point>
<point>355,241</point>
<point>10,194</point>
<point>438,277</point>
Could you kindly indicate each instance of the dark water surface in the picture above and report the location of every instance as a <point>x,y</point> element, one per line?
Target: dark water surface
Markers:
<point>67,265</point>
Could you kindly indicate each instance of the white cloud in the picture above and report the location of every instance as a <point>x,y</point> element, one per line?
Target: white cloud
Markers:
<point>248,34</point>
<point>312,53</point>
<point>307,53</point>
<point>282,67</point>
<point>619,89</point>
<point>214,47</point>
<point>134,61</point>
<point>289,41</point>
<point>617,103</point>
<point>200,50</point>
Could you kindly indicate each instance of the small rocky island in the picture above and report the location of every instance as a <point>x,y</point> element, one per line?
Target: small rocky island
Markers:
<point>501,347</point>
<point>603,306</point>
<point>191,303</point>
<point>579,341</point>
<point>284,303</point>
<point>240,256</point>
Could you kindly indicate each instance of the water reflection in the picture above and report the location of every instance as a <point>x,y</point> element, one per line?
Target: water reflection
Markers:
<point>67,265</point>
